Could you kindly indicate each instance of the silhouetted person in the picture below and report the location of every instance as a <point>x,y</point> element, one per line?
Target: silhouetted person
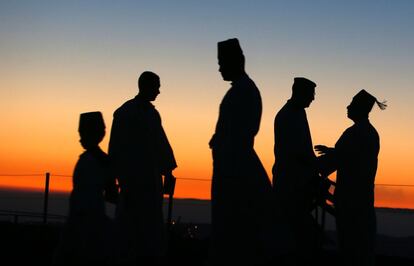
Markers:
<point>295,168</point>
<point>87,233</point>
<point>241,190</point>
<point>355,159</point>
<point>141,154</point>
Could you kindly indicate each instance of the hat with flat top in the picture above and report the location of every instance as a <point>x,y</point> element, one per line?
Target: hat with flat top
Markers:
<point>91,122</point>
<point>304,82</point>
<point>229,49</point>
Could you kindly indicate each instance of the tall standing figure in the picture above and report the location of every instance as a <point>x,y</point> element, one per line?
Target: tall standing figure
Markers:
<point>355,157</point>
<point>241,190</point>
<point>295,168</point>
<point>141,154</point>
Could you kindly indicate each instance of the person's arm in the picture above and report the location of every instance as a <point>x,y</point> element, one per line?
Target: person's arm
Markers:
<point>169,183</point>
<point>112,183</point>
<point>324,150</point>
<point>111,190</point>
<point>326,161</point>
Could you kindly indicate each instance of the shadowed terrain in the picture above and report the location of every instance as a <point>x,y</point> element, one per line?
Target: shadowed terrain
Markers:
<point>35,243</point>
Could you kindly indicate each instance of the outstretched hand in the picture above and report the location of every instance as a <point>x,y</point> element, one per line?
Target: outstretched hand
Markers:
<point>323,150</point>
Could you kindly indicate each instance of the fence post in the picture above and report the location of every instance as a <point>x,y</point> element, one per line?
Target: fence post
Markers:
<point>46,198</point>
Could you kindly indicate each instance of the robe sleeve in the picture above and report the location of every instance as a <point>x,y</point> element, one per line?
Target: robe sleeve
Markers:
<point>164,153</point>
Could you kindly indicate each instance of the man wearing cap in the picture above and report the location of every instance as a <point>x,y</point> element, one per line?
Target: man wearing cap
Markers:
<point>355,158</point>
<point>91,175</point>
<point>85,238</point>
<point>241,190</point>
<point>295,168</point>
<point>141,154</point>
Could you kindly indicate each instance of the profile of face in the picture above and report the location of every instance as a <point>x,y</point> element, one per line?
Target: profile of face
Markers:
<point>227,70</point>
<point>303,92</point>
<point>151,89</point>
<point>361,106</point>
<point>308,97</point>
<point>354,111</point>
<point>304,96</point>
<point>149,85</point>
<point>91,138</point>
<point>154,90</point>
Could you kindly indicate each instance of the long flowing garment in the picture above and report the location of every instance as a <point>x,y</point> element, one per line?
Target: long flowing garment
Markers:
<point>140,153</point>
<point>293,172</point>
<point>356,156</point>
<point>241,190</point>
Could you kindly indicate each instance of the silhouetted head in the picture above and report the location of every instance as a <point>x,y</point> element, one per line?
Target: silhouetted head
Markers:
<point>149,85</point>
<point>230,59</point>
<point>91,129</point>
<point>361,105</point>
<point>303,91</point>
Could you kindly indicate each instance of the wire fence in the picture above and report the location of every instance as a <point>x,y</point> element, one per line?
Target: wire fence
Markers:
<point>63,175</point>
<point>45,215</point>
<point>179,178</point>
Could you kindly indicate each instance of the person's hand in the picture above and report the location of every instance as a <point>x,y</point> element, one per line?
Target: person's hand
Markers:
<point>169,183</point>
<point>323,150</point>
<point>111,194</point>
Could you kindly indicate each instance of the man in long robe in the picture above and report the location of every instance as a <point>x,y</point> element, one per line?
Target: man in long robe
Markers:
<point>295,168</point>
<point>141,154</point>
<point>355,157</point>
<point>241,190</point>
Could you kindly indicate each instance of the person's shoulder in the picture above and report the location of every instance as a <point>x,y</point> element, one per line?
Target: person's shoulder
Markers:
<point>86,156</point>
<point>247,80</point>
<point>246,89</point>
<point>372,128</point>
<point>249,84</point>
<point>364,128</point>
<point>91,159</point>
<point>125,107</point>
<point>360,131</point>
<point>286,110</point>
<point>85,159</point>
<point>372,131</point>
<point>351,130</point>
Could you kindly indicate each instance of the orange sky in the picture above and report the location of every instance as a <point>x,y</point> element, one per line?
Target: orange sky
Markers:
<point>58,150</point>
<point>40,133</point>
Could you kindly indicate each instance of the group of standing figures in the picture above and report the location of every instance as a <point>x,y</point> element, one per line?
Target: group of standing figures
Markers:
<point>253,220</point>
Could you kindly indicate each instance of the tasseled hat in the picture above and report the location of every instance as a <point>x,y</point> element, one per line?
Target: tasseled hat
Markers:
<point>230,50</point>
<point>366,101</point>
<point>91,123</point>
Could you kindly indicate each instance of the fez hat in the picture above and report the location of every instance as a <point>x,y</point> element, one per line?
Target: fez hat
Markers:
<point>230,50</point>
<point>303,82</point>
<point>366,101</point>
<point>91,123</point>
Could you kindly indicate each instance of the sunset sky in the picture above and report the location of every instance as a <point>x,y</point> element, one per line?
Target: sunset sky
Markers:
<point>61,58</point>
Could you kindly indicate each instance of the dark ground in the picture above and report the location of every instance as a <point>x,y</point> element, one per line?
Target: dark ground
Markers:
<point>33,244</point>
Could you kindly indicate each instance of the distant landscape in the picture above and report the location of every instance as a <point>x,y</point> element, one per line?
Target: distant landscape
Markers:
<point>391,222</point>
